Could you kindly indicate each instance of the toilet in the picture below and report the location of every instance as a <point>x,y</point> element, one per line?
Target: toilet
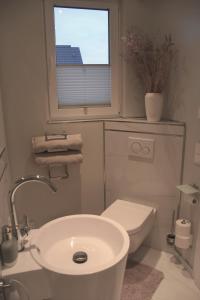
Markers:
<point>137,220</point>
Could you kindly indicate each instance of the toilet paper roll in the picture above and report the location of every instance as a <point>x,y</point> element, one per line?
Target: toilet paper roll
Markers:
<point>183,227</point>
<point>183,242</point>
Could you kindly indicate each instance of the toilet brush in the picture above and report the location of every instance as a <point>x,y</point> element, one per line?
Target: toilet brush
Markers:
<point>171,235</point>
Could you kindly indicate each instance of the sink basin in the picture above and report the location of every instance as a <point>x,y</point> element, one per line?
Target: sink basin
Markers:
<point>82,248</point>
<point>103,241</point>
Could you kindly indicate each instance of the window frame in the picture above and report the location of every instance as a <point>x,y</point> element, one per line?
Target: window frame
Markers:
<point>82,112</point>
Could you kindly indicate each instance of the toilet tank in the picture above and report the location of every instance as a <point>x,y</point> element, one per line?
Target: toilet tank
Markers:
<point>144,161</point>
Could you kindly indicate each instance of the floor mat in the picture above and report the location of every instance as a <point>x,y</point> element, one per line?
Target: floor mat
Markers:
<point>140,281</point>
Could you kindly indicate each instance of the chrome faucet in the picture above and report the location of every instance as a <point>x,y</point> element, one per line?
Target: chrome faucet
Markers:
<point>14,219</point>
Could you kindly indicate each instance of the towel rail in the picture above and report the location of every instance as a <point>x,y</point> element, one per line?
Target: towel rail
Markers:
<point>52,154</point>
<point>58,177</point>
<point>55,136</point>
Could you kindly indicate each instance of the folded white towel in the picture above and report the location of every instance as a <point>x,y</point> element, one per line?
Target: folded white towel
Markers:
<point>72,142</point>
<point>70,157</point>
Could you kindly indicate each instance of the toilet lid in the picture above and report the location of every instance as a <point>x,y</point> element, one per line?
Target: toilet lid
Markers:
<point>131,216</point>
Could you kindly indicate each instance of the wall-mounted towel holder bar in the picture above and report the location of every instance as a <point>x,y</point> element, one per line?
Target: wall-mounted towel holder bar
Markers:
<point>56,151</point>
<point>51,176</point>
<point>55,136</point>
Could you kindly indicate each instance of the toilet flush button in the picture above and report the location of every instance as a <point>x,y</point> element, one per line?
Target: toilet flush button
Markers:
<point>136,147</point>
<point>146,150</point>
<point>140,148</point>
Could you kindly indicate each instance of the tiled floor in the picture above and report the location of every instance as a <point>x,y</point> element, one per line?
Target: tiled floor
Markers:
<point>177,283</point>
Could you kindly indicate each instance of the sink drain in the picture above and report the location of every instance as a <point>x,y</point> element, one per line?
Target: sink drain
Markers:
<point>80,257</point>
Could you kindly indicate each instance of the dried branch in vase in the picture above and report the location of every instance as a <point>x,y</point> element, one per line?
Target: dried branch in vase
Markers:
<point>151,60</point>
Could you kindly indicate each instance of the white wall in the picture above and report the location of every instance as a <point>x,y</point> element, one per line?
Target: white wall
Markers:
<point>24,89</point>
<point>134,14</point>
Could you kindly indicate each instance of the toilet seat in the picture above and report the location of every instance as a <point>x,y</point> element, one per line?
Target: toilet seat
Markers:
<point>131,216</point>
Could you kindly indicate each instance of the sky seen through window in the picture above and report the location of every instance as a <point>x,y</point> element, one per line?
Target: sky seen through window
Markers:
<point>86,29</point>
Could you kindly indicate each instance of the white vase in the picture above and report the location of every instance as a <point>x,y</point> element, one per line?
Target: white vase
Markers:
<point>154,106</point>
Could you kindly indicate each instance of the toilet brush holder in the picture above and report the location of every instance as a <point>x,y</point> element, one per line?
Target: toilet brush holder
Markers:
<point>170,239</point>
<point>171,236</point>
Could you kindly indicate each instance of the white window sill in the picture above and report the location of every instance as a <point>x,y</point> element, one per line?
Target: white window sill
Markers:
<point>117,119</point>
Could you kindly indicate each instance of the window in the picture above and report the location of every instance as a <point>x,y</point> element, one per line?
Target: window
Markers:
<point>82,56</point>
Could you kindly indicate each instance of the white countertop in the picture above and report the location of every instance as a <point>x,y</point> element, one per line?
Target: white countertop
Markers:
<point>25,261</point>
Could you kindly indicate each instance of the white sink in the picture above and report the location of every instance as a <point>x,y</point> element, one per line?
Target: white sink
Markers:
<point>104,244</point>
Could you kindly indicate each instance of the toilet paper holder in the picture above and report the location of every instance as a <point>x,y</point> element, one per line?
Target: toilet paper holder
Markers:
<point>190,190</point>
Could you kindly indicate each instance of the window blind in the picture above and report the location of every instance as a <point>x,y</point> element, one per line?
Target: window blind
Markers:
<point>83,85</point>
